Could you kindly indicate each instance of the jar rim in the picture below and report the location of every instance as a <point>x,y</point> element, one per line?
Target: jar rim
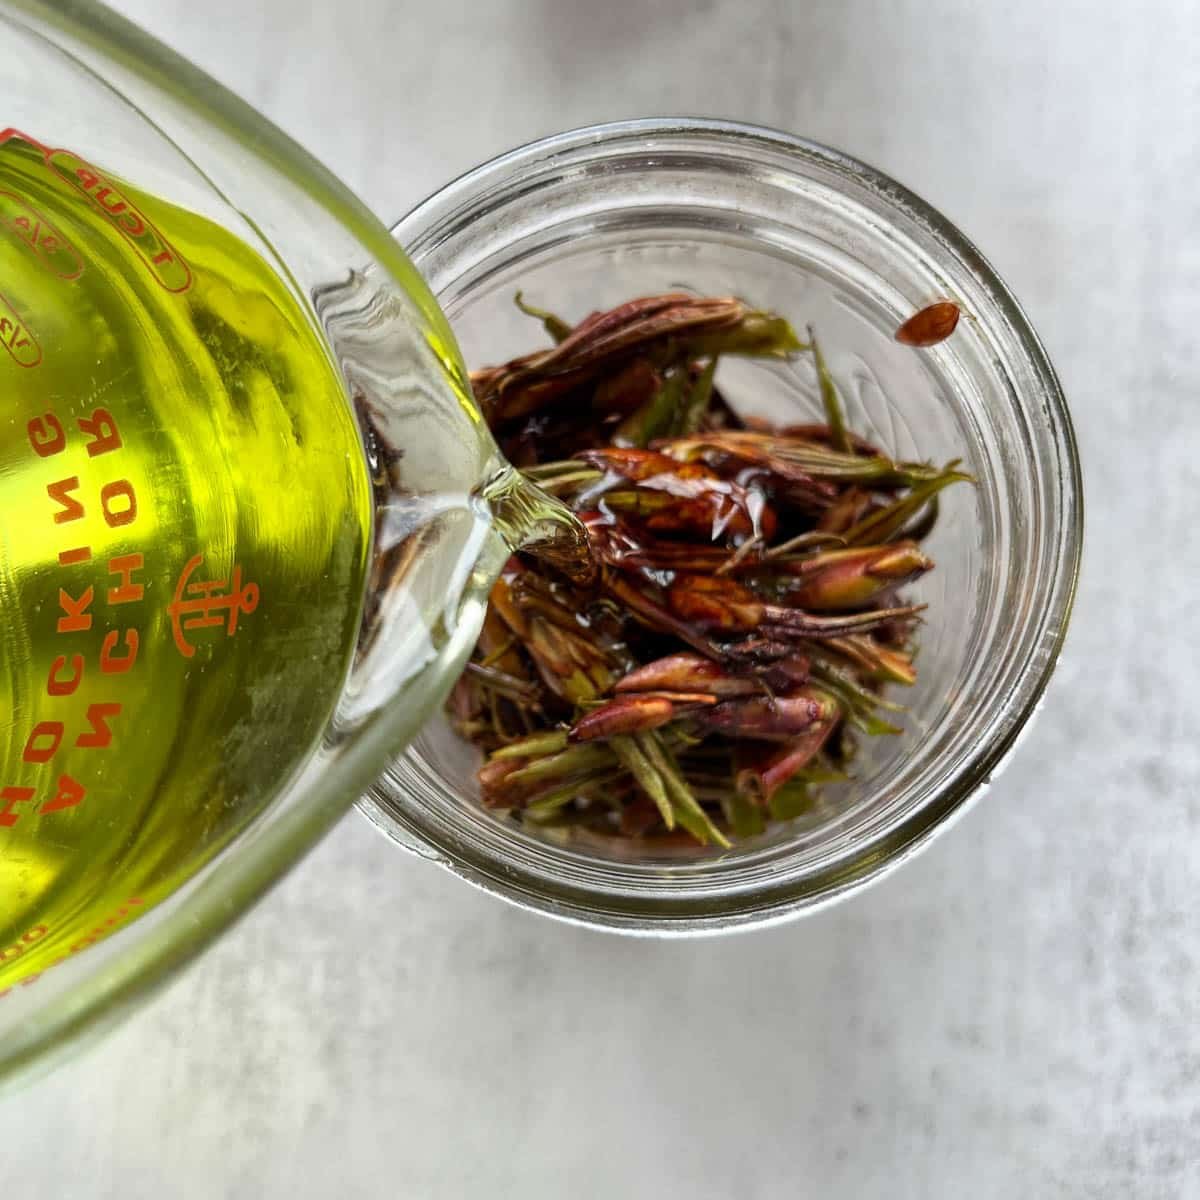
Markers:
<point>514,176</point>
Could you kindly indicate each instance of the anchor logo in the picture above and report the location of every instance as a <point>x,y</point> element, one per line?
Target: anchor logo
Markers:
<point>208,603</point>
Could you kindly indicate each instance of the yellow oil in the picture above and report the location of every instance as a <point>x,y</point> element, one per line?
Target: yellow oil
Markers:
<point>184,526</point>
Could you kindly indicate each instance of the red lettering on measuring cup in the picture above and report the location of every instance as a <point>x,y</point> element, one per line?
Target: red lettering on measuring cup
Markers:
<point>16,338</point>
<point>101,735</point>
<point>28,226</point>
<point>35,935</point>
<point>124,566</point>
<point>101,431</point>
<point>67,558</point>
<point>10,796</point>
<point>15,135</point>
<point>26,940</point>
<point>118,664</point>
<point>73,500</point>
<point>105,926</point>
<point>119,503</point>
<point>165,264</point>
<point>46,435</point>
<point>203,605</point>
<point>77,619</point>
<point>70,793</point>
<point>43,743</point>
<point>60,492</point>
<point>116,207</point>
<point>59,687</point>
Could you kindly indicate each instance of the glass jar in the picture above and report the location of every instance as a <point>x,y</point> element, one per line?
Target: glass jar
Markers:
<point>591,218</point>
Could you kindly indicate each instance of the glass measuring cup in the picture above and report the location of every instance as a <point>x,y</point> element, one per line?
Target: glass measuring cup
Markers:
<point>217,366</point>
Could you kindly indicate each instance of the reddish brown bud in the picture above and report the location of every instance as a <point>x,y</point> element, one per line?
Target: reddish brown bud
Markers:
<point>843,579</point>
<point>687,672</point>
<point>771,717</point>
<point>714,602</point>
<point>767,771</point>
<point>636,713</point>
<point>845,512</point>
<point>674,497</point>
<point>933,324</point>
<point>492,776</point>
<point>628,389</point>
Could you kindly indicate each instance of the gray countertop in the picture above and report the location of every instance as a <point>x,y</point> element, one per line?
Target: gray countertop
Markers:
<point>1017,1012</point>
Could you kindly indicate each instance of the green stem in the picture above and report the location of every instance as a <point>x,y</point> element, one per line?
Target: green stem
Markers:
<point>835,416</point>
<point>687,808</point>
<point>634,759</point>
<point>556,327</point>
<point>535,746</point>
